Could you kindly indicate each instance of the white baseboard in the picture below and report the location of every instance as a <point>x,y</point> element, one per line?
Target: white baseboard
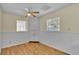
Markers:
<point>14,44</point>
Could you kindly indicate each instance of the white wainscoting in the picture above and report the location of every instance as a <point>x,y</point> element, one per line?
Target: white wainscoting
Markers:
<point>68,42</point>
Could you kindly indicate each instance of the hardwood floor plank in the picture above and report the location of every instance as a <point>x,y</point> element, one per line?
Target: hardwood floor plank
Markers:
<point>32,48</point>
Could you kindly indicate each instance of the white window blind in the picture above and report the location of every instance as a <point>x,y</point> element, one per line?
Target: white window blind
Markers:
<point>53,24</point>
<point>21,25</point>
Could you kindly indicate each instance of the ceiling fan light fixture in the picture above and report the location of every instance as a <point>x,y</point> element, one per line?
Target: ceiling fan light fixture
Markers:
<point>31,12</point>
<point>28,14</point>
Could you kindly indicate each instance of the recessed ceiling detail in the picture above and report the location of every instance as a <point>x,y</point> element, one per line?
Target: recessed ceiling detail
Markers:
<point>43,8</point>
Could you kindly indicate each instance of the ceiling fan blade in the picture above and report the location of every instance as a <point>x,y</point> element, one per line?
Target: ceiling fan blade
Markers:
<point>31,12</point>
<point>27,10</point>
<point>35,12</point>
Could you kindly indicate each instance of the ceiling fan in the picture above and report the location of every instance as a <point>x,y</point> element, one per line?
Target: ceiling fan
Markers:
<point>31,12</point>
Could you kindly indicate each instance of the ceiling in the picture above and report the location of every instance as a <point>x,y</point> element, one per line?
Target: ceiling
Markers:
<point>43,8</point>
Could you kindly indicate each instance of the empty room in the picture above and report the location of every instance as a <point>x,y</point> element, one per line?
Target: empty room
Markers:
<point>39,29</point>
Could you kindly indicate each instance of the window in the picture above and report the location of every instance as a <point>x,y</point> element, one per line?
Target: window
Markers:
<point>53,24</point>
<point>21,26</point>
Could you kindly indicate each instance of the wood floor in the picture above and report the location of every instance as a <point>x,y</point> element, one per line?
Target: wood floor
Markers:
<point>31,48</point>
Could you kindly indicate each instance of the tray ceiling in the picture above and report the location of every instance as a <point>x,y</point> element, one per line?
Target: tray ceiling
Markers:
<point>43,8</point>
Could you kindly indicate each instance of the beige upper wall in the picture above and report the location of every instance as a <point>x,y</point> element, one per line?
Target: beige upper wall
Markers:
<point>69,19</point>
<point>0,20</point>
<point>9,22</point>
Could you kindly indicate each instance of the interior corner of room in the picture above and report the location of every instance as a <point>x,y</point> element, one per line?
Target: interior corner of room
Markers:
<point>64,37</point>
